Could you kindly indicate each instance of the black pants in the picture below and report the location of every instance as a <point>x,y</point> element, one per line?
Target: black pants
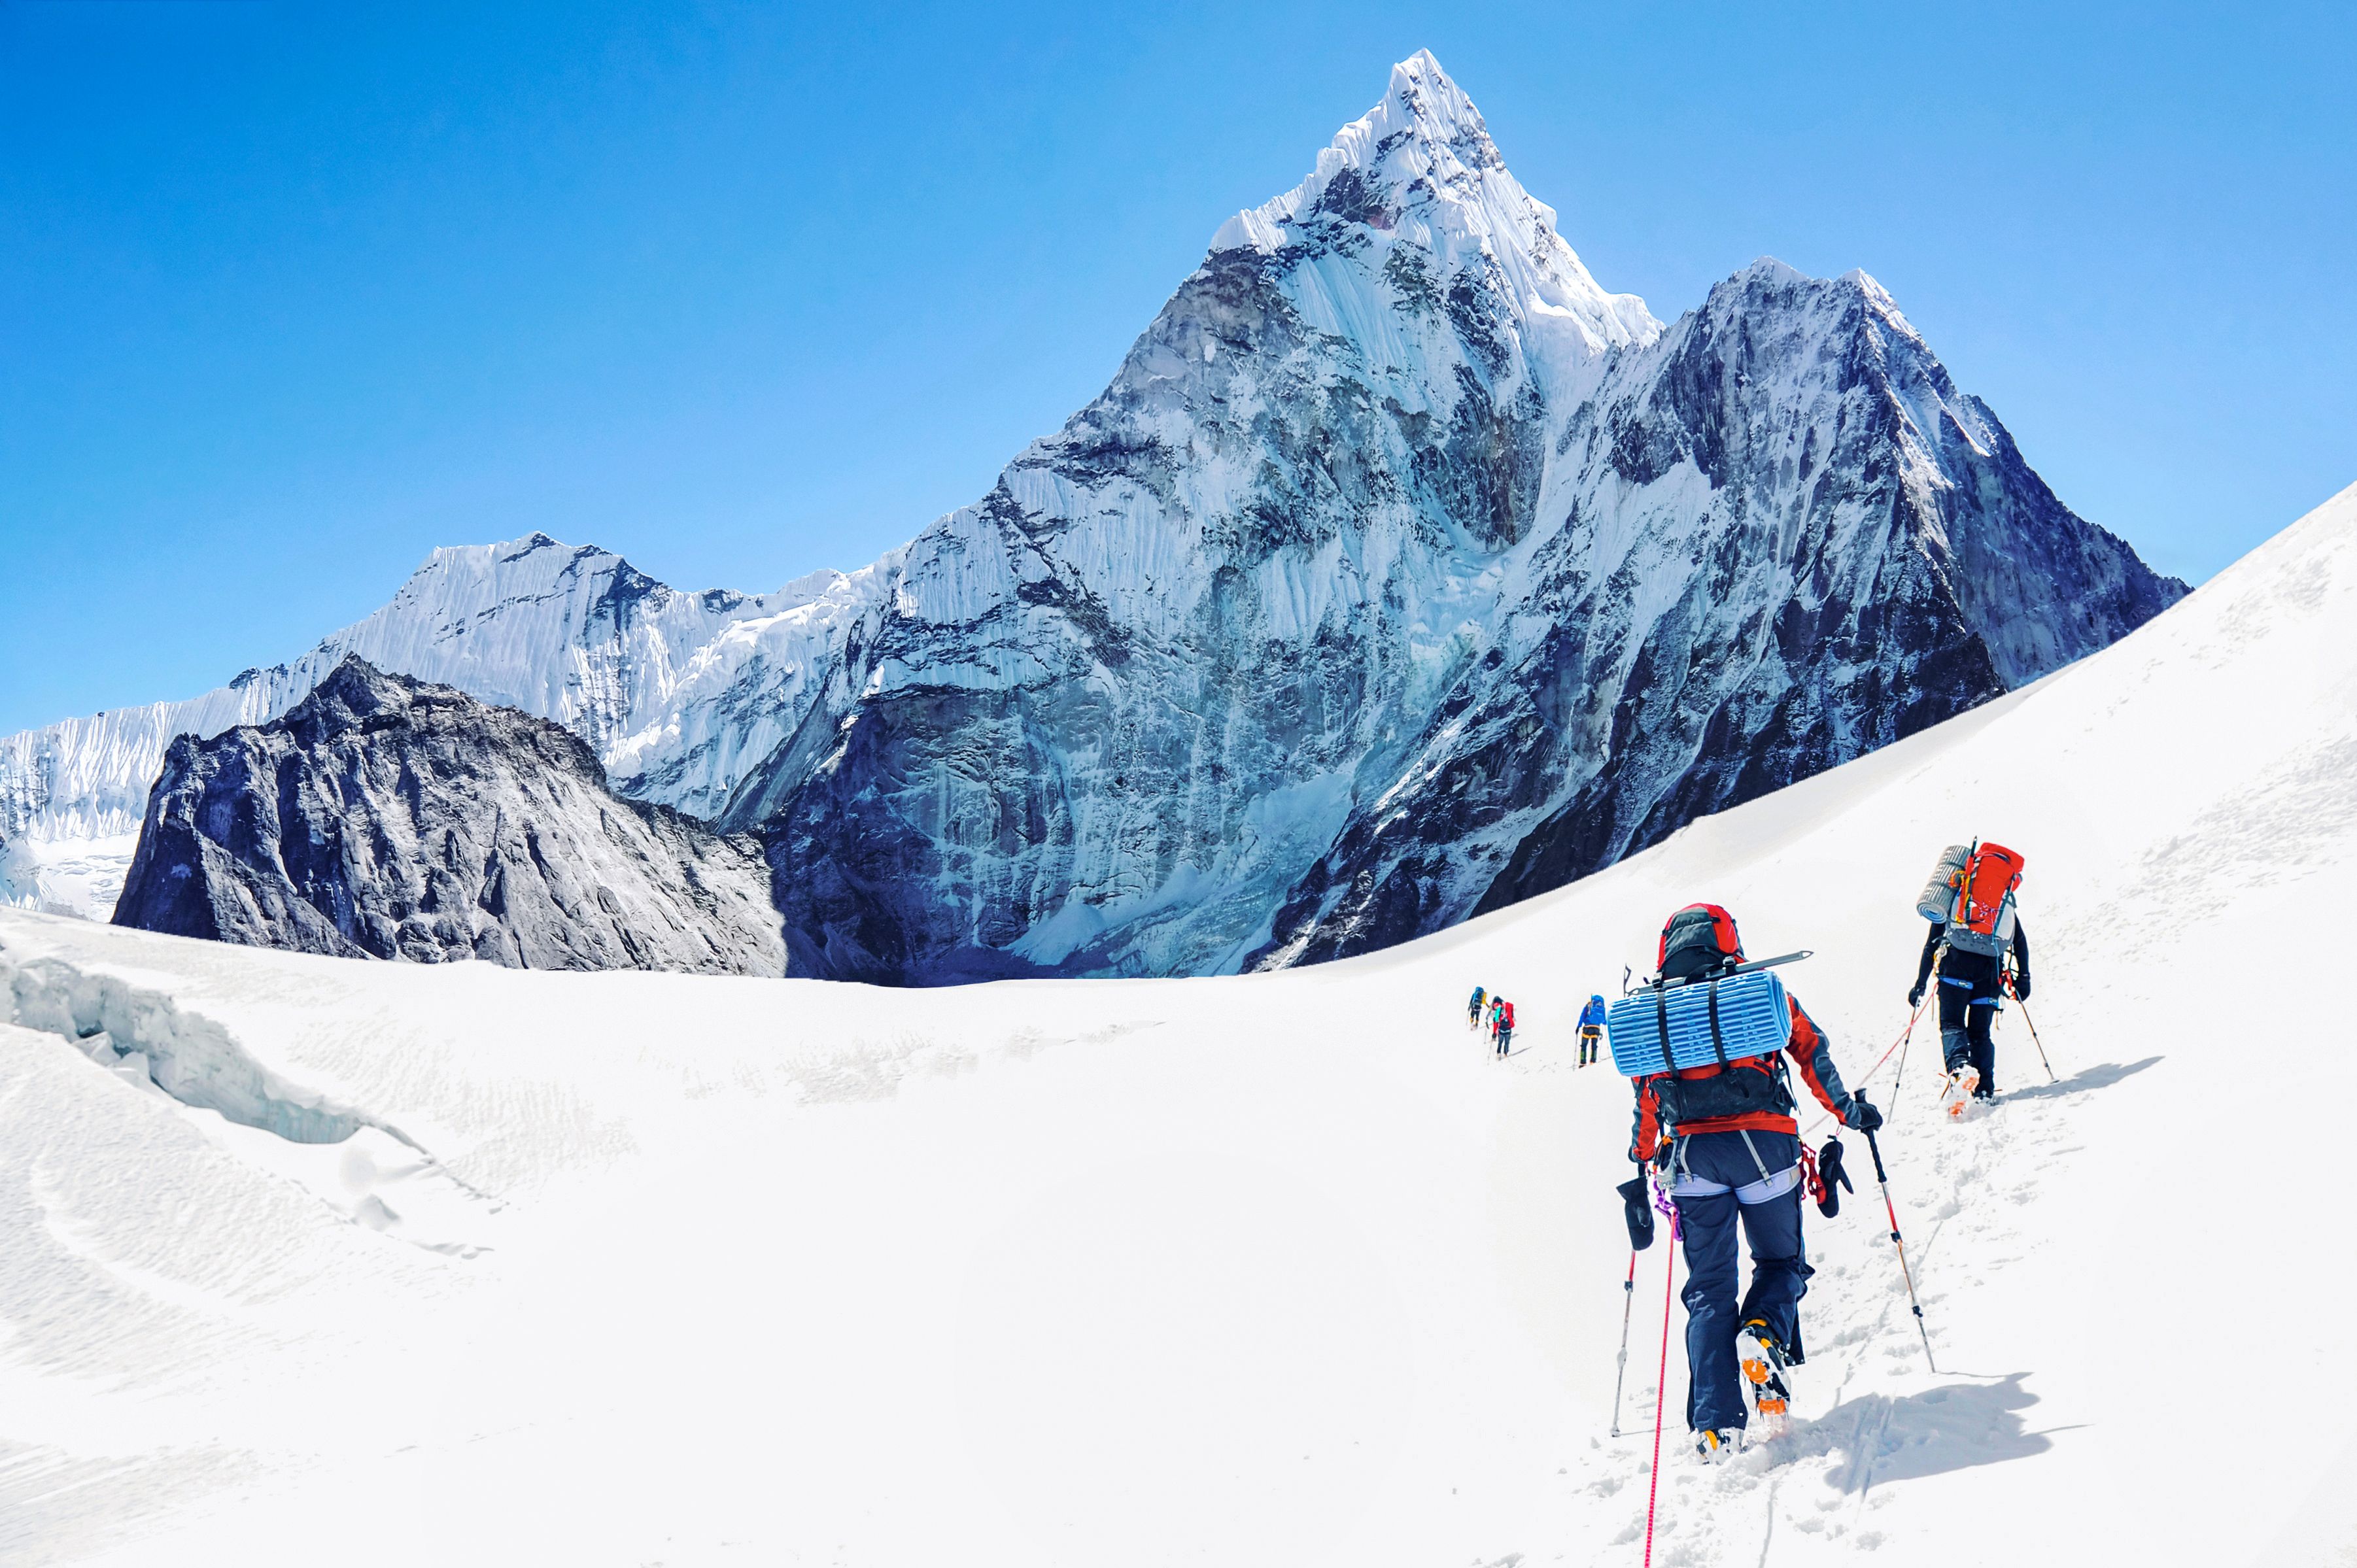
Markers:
<point>1970,990</point>
<point>1505,1039</point>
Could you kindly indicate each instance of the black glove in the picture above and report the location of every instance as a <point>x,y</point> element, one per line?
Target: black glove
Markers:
<point>1861,1115</point>
<point>2021,985</point>
<point>1637,1209</point>
<point>1915,997</point>
<point>1834,1179</point>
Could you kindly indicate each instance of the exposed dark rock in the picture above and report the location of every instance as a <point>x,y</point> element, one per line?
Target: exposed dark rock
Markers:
<point>386,818</point>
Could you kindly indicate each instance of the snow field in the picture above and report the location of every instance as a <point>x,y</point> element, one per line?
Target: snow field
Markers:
<point>1280,1269</point>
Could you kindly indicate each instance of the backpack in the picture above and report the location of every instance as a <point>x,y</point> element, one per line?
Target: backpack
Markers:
<point>1697,942</point>
<point>1506,1021</point>
<point>1980,914</point>
<point>1697,939</point>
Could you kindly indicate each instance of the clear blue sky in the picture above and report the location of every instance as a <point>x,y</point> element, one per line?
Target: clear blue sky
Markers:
<point>290,294</point>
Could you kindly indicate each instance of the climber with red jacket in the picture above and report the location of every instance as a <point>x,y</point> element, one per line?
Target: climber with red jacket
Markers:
<point>1723,1140</point>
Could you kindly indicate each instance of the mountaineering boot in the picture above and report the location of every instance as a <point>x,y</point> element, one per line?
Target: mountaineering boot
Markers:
<point>1712,1447</point>
<point>1764,1364</point>
<point>1962,1084</point>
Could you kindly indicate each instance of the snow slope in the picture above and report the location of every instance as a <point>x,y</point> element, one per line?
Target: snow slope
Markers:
<point>631,1268</point>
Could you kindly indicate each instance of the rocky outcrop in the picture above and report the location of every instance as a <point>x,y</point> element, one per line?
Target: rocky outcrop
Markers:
<point>386,818</point>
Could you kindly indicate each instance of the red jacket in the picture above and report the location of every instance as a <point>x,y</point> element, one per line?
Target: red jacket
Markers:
<point>1810,1051</point>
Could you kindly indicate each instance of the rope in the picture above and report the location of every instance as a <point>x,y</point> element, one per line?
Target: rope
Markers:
<point>1661,1381</point>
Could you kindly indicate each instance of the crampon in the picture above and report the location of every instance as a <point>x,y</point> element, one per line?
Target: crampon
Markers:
<point>1764,1364</point>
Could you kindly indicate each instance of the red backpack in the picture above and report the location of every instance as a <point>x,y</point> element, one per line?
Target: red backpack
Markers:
<point>1509,1018</point>
<point>1981,918</point>
<point>1696,939</point>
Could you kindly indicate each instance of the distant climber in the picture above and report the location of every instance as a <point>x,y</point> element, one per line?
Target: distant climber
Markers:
<point>1501,1028</point>
<point>1591,1030</point>
<point>1970,902</point>
<point>1722,1138</point>
<point>1473,1008</point>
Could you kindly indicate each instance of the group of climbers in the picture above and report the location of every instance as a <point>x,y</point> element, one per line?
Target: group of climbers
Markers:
<point>1498,1020</point>
<point>1494,1013</point>
<point>1712,1042</point>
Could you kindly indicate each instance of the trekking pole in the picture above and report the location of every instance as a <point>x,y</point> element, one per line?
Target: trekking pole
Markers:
<point>1905,1041</point>
<point>1628,1304</point>
<point>1661,1383</point>
<point>2033,1034</point>
<point>1883,1178</point>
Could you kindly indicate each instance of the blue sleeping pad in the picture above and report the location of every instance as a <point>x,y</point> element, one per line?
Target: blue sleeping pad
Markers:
<point>1754,1019</point>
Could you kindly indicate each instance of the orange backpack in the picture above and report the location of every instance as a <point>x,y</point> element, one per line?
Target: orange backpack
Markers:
<point>1980,919</point>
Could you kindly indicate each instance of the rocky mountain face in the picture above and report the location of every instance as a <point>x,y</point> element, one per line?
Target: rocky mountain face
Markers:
<point>1785,539</point>
<point>386,818</point>
<point>1402,571</point>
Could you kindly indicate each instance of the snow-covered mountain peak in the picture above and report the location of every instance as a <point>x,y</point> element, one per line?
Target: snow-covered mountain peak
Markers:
<point>1419,168</point>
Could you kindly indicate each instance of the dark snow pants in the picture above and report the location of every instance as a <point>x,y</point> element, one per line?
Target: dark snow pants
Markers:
<point>1717,1181</point>
<point>1970,988</point>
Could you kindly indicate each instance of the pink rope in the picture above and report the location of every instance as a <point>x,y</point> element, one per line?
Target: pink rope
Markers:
<point>1868,1076</point>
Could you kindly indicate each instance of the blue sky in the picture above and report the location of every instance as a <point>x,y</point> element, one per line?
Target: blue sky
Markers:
<point>291,295</point>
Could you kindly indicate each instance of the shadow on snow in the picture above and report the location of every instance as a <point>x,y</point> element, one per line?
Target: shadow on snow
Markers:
<point>1953,1427</point>
<point>2100,1076</point>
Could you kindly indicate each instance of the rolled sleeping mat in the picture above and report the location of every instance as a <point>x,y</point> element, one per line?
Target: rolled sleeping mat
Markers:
<point>1755,1019</point>
<point>1940,893</point>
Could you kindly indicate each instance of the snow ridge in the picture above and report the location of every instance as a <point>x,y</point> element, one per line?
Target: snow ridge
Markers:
<point>1421,164</point>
